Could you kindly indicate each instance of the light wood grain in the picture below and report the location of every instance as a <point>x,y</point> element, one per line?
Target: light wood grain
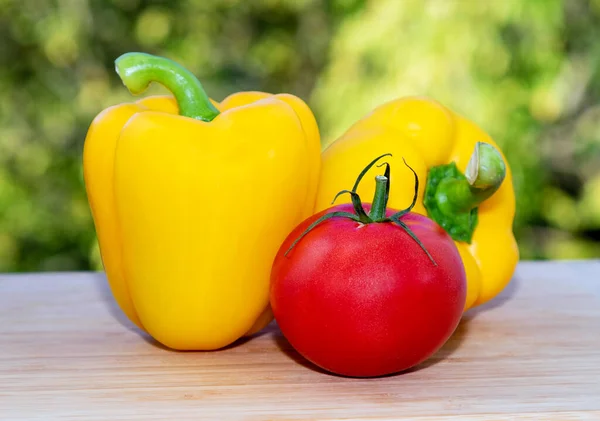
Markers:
<point>66,353</point>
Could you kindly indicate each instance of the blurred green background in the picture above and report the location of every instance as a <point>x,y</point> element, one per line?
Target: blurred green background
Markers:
<point>527,71</point>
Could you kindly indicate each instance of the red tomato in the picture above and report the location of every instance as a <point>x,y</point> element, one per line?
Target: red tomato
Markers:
<point>366,300</point>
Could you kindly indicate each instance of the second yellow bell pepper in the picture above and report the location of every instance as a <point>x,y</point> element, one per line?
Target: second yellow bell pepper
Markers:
<point>191,200</point>
<point>465,183</point>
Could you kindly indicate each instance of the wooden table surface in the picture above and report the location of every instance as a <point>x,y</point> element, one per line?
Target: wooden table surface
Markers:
<point>66,353</point>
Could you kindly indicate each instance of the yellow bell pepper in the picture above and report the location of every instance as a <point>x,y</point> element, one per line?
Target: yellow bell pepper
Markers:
<point>466,185</point>
<point>191,200</point>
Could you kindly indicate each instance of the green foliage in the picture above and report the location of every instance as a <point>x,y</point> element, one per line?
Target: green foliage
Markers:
<point>525,71</point>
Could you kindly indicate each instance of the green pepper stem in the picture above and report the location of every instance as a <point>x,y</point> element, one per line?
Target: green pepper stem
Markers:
<point>378,207</point>
<point>138,70</point>
<point>484,175</point>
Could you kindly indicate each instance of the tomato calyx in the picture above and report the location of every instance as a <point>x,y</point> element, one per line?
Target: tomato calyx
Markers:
<point>377,214</point>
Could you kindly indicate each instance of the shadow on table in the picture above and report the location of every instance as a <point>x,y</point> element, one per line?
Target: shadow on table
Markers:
<point>115,311</point>
<point>509,292</point>
<point>105,293</point>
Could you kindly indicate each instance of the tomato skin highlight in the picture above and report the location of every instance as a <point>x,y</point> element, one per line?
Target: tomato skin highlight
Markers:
<point>366,300</point>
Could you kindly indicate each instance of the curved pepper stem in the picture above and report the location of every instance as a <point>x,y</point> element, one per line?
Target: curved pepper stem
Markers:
<point>483,176</point>
<point>451,198</point>
<point>138,70</point>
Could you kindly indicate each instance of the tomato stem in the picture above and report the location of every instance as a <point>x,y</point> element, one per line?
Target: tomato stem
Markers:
<point>380,199</point>
<point>378,207</point>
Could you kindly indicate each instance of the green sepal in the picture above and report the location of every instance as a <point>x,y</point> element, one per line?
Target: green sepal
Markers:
<point>386,174</point>
<point>366,170</point>
<point>396,220</point>
<point>415,196</point>
<point>357,203</point>
<point>320,221</point>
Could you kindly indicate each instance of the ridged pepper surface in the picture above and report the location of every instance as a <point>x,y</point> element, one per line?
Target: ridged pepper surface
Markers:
<point>191,200</point>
